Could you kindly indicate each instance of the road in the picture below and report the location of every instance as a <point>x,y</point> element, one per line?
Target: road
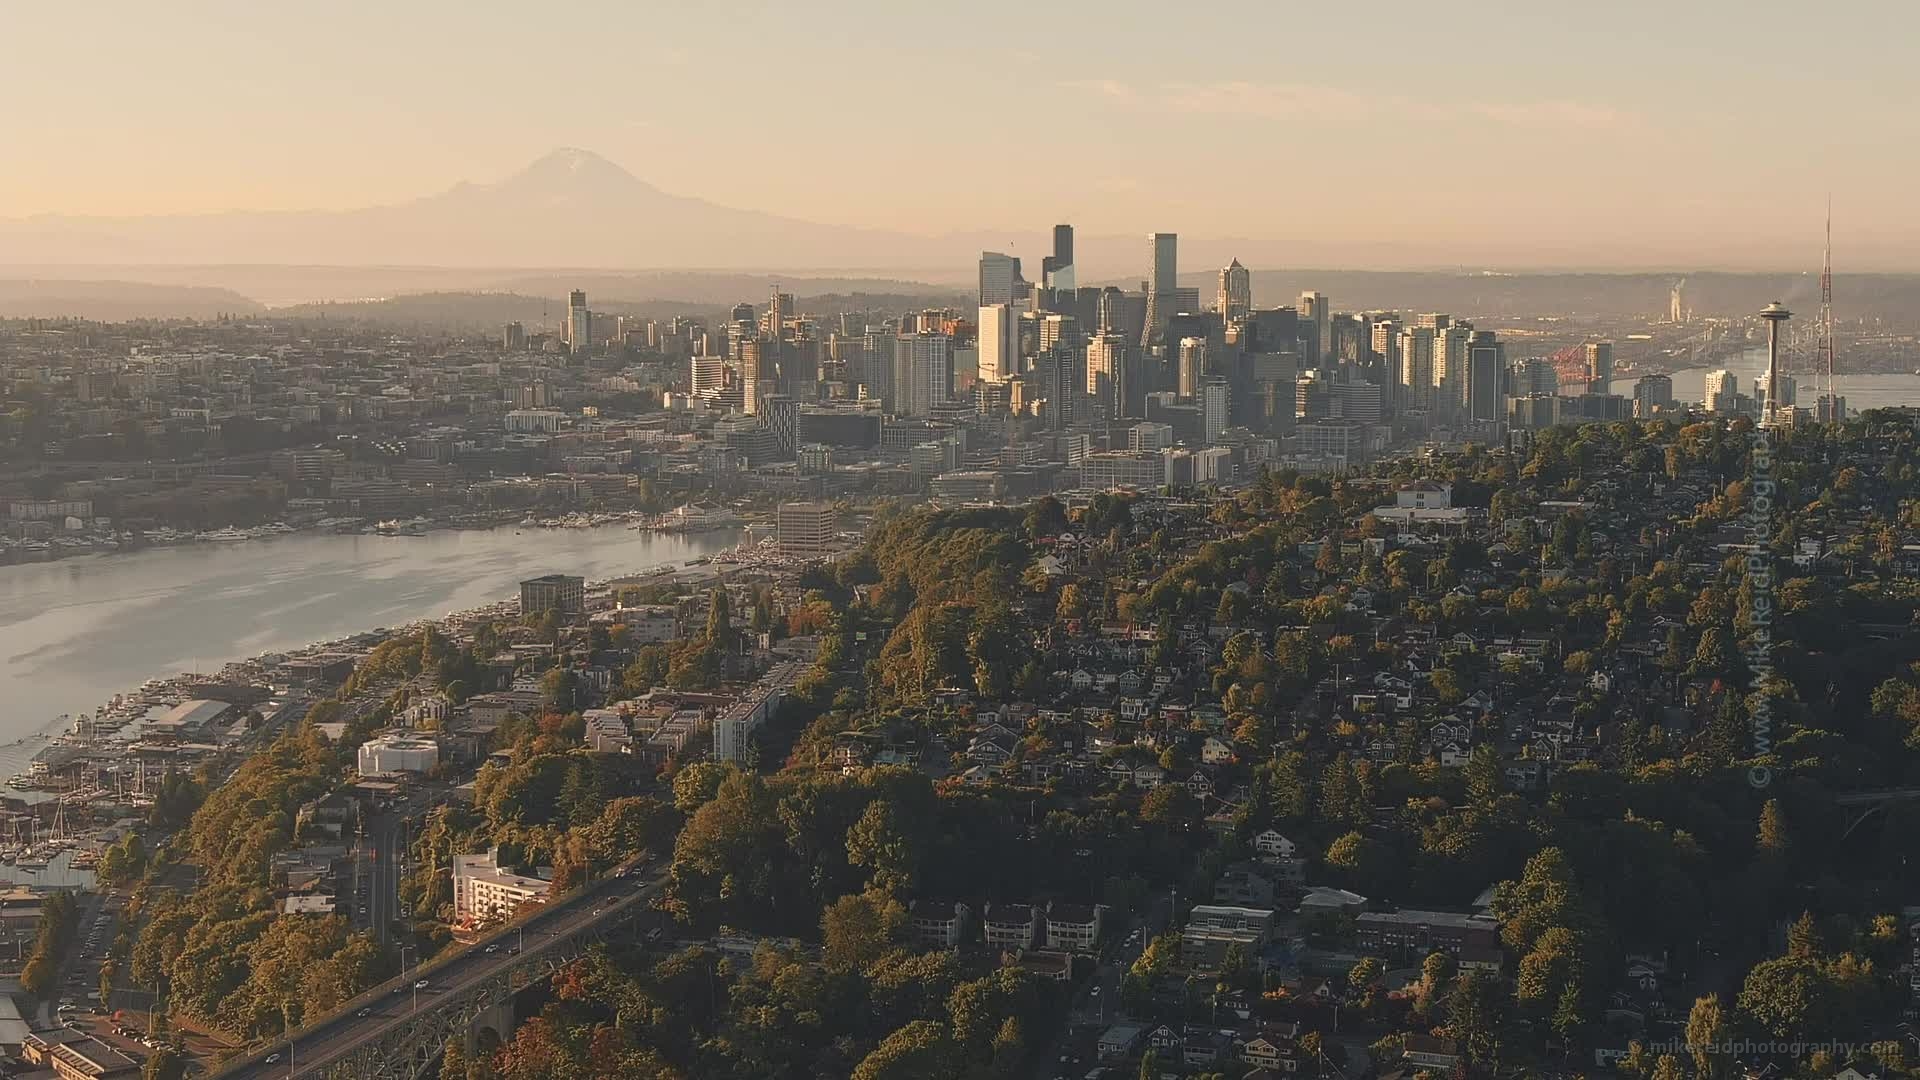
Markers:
<point>378,860</point>
<point>389,1005</point>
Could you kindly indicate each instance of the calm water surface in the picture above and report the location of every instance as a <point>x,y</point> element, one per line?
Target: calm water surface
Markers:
<point>77,631</point>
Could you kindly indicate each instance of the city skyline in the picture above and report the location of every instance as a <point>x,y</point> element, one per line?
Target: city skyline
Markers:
<point>1557,161</point>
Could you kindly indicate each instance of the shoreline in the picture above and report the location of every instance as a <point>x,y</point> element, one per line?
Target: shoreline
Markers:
<point>99,545</point>
<point>165,690</point>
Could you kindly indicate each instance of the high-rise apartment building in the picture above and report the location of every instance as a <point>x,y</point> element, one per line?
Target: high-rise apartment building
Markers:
<point>1385,332</point>
<point>1214,403</point>
<point>1163,271</point>
<point>706,375</point>
<point>1414,369</point>
<point>1722,392</point>
<point>1651,394</point>
<point>922,373</point>
<point>1449,384</point>
<point>1235,299</point>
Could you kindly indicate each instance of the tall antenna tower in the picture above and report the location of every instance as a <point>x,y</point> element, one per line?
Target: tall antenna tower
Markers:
<point>1826,301</point>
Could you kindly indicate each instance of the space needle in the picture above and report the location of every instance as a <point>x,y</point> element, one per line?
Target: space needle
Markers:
<point>1775,314</point>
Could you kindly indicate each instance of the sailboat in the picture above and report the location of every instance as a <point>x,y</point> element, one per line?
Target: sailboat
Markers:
<point>30,858</point>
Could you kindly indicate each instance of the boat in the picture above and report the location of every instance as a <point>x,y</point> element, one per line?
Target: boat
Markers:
<point>225,536</point>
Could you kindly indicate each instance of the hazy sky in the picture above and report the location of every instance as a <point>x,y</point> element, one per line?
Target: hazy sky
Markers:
<point>1395,133</point>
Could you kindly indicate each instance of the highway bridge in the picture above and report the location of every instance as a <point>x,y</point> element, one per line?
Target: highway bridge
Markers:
<point>1862,805</point>
<point>399,1031</point>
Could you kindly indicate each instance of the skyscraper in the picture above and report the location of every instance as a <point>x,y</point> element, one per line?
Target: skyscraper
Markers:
<point>1236,292</point>
<point>751,367</point>
<point>998,275</point>
<point>778,312</point>
<point>1316,330</point>
<point>1599,367</point>
<point>1722,391</point>
<point>1115,378</point>
<point>1653,393</point>
<point>1386,346</point>
<point>1163,270</point>
<point>1056,270</point>
<point>922,373</point>
<point>1213,408</point>
<point>1486,363</point>
<point>1415,371</point>
<point>579,324</point>
<point>999,343</point>
<point>1192,366</point>
<point>1535,375</point>
<point>1451,343</point>
<point>1059,332</point>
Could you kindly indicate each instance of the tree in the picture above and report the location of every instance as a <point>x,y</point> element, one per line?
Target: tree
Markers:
<point>880,842</point>
<point>37,977</point>
<point>719,625</point>
<point>165,1064</point>
<point>1150,1065</point>
<point>1169,805</point>
<point>1714,654</point>
<point>1071,605</point>
<point>1707,1035</point>
<point>859,928</point>
<point>1803,938</point>
<point>1361,980</point>
<point>921,1050</point>
<point>1783,996</point>
<point>1773,840</point>
<point>695,785</point>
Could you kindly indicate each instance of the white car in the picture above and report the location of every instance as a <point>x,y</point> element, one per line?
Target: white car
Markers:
<point>421,985</point>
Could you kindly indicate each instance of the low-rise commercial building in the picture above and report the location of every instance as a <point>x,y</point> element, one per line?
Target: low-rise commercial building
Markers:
<point>397,754</point>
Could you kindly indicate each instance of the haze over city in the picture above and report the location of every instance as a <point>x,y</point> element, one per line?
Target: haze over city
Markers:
<point>1632,135</point>
<point>992,541</point>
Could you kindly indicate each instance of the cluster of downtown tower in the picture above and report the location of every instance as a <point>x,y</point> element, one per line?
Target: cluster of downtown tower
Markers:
<point>1125,387</point>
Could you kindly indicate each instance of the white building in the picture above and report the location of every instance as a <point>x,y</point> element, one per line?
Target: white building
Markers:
<point>396,754</point>
<point>733,731</point>
<point>999,343</point>
<point>606,731</point>
<point>533,421</point>
<point>482,891</point>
